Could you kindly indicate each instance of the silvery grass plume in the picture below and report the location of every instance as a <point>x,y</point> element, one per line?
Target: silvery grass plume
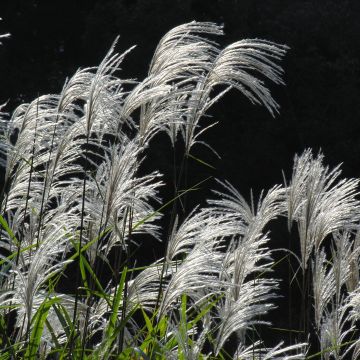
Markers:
<point>341,253</point>
<point>248,294</point>
<point>49,142</point>
<point>354,305</point>
<point>30,276</point>
<point>257,352</point>
<point>269,206</point>
<point>189,66</point>
<point>191,267</point>
<point>334,332</point>
<point>205,272</point>
<point>74,193</point>
<point>55,136</point>
<point>326,208</point>
<point>353,248</point>
<point>50,129</point>
<point>198,274</point>
<point>231,69</point>
<point>117,198</point>
<point>319,202</point>
<point>332,317</point>
<point>324,288</point>
<point>182,58</point>
<point>203,225</point>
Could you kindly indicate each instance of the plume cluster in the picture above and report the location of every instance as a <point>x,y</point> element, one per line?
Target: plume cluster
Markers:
<point>76,207</point>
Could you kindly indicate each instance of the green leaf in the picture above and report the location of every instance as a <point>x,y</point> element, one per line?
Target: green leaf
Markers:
<point>39,322</point>
<point>52,333</point>
<point>203,312</point>
<point>201,161</point>
<point>69,329</point>
<point>15,253</point>
<point>329,349</point>
<point>83,274</point>
<point>113,328</point>
<point>96,280</point>
<point>148,322</point>
<point>6,227</point>
<point>116,304</point>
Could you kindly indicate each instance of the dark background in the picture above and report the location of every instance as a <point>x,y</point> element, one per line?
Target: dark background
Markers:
<point>320,104</point>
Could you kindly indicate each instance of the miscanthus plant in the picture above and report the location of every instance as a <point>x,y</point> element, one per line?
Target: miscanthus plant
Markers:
<point>76,206</point>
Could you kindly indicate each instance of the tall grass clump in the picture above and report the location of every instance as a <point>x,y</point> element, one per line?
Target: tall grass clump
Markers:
<point>77,206</point>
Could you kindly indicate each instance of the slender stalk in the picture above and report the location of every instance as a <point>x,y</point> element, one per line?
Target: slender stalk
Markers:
<point>41,213</point>
<point>80,242</point>
<point>90,300</point>
<point>123,310</point>
<point>290,275</point>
